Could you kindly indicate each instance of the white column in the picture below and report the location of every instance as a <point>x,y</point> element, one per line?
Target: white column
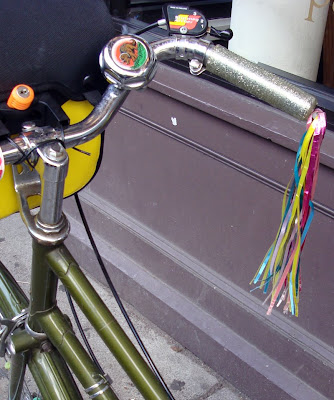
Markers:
<point>285,34</point>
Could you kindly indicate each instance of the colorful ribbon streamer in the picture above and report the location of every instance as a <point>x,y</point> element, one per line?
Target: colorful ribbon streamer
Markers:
<point>281,264</point>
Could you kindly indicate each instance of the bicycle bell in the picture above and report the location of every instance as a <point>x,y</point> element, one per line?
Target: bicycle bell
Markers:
<point>128,61</point>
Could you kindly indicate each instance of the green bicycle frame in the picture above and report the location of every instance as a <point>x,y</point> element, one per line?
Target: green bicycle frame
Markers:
<point>48,368</point>
<point>48,264</point>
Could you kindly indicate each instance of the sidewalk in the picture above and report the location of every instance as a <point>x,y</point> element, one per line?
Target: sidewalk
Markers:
<point>187,377</point>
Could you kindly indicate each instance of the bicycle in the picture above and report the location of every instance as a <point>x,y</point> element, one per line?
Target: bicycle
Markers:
<point>34,331</point>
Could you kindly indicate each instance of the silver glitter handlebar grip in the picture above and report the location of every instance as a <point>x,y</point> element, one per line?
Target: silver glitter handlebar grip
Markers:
<point>257,81</point>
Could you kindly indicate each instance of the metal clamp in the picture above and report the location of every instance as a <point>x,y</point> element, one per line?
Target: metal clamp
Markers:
<point>9,326</point>
<point>27,183</point>
<point>196,67</point>
<point>34,334</point>
<point>103,383</point>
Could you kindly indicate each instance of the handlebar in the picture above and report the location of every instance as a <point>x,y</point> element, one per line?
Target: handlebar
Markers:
<point>216,59</point>
<point>242,73</point>
<point>264,85</point>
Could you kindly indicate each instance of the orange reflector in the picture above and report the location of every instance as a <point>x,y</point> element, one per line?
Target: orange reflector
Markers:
<point>21,97</point>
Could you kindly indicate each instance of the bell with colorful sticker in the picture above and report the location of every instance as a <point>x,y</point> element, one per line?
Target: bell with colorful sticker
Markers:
<point>128,61</point>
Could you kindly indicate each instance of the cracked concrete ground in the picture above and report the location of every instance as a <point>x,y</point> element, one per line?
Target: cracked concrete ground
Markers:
<point>187,377</point>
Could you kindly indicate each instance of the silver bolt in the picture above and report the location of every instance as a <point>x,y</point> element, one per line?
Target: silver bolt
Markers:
<point>28,126</point>
<point>46,347</point>
<point>23,91</point>
<point>183,30</point>
<point>55,151</point>
<point>195,66</point>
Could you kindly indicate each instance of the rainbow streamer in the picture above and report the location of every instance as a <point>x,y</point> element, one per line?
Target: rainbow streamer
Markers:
<point>281,264</point>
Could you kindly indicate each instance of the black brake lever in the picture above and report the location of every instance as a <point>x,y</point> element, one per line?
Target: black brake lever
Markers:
<point>226,34</point>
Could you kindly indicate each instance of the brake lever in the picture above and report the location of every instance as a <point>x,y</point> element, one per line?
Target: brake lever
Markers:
<point>226,35</point>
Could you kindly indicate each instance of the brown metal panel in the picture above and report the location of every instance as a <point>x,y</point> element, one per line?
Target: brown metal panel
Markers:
<point>185,205</point>
<point>220,216</point>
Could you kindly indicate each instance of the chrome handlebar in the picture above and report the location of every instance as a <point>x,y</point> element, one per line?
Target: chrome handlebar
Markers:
<point>240,72</point>
<point>200,54</point>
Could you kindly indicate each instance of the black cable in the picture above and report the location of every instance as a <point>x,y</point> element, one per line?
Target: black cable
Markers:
<point>82,333</point>
<point>118,300</point>
<point>26,156</point>
<point>147,28</point>
<point>11,141</point>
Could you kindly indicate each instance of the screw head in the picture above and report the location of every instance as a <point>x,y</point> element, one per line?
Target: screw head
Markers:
<point>23,91</point>
<point>46,347</point>
<point>55,151</point>
<point>196,67</point>
<point>28,126</point>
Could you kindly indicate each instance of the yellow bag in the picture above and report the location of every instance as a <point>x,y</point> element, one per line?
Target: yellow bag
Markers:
<point>81,166</point>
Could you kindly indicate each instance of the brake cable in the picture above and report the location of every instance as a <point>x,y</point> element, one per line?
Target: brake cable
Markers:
<point>160,22</point>
<point>82,332</point>
<point>118,300</point>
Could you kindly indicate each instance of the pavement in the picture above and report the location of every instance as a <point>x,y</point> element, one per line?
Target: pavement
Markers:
<point>187,376</point>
